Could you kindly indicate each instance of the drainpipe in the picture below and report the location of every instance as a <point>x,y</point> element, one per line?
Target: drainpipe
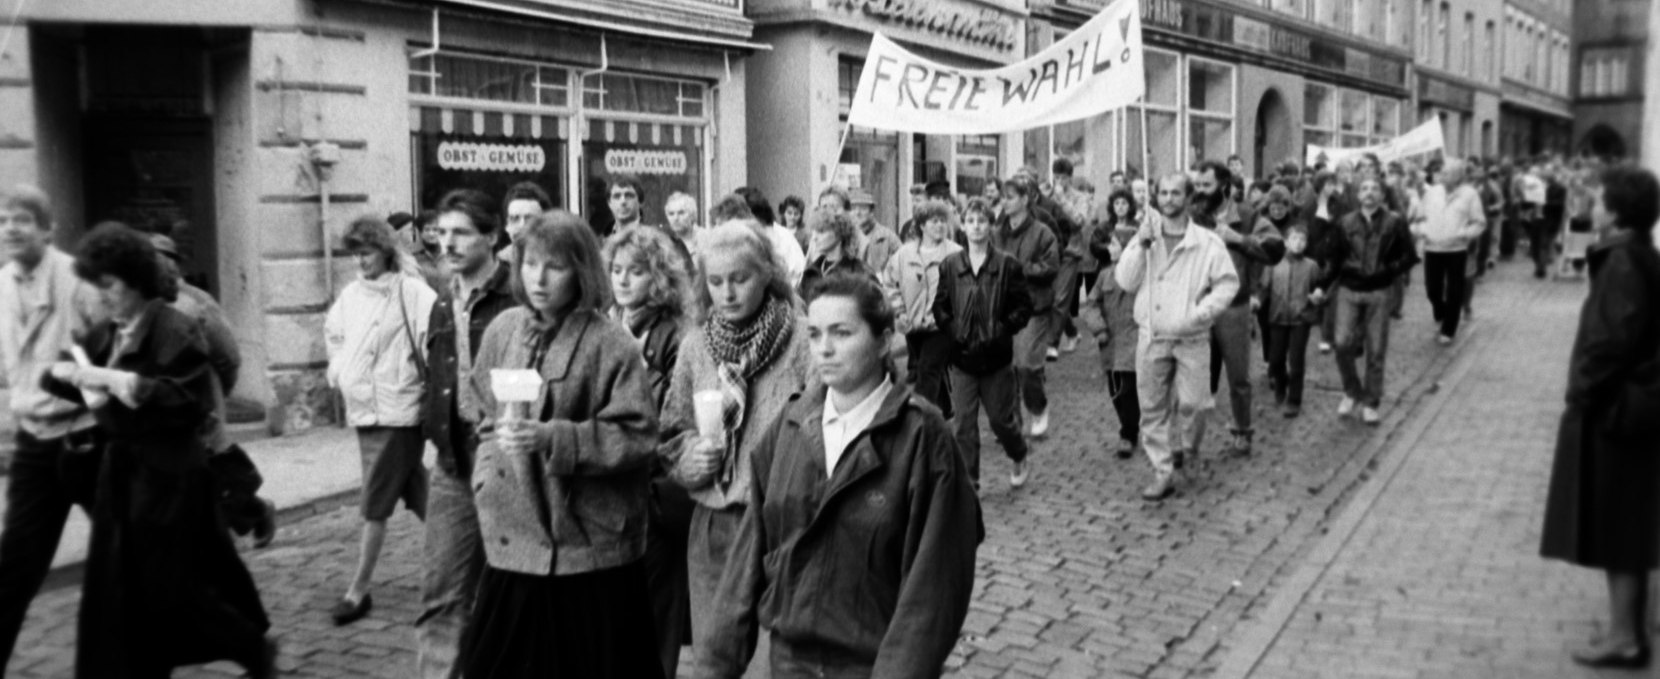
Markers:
<point>714,134</point>
<point>435,39</point>
<point>323,156</point>
<point>579,121</point>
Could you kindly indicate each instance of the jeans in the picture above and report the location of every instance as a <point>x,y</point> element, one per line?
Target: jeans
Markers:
<point>1362,317</point>
<point>929,356</point>
<point>1121,386</point>
<point>799,661</point>
<point>1066,302</point>
<point>1031,349</point>
<point>454,560</point>
<point>1541,236</point>
<point>1444,280</point>
<point>1170,381</point>
<point>46,478</point>
<point>1287,354</point>
<point>996,390</point>
<point>710,540</point>
<point>1230,347</point>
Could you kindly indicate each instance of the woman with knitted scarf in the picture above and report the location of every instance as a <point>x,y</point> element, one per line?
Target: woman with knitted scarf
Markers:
<point>751,348</point>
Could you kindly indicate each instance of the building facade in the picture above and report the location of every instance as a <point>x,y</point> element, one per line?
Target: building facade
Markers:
<point>258,129</point>
<point>1458,50</point>
<point>1610,44</point>
<point>1537,117</point>
<point>803,88</point>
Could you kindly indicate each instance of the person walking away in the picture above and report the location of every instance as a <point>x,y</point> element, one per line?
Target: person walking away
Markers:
<point>1183,279</point>
<point>911,282</point>
<point>858,552</point>
<point>650,291</point>
<point>164,586</point>
<point>1116,335</point>
<point>479,289</point>
<point>1292,294</point>
<point>1449,220</point>
<point>1602,510</point>
<point>750,347</point>
<point>234,473</point>
<point>982,303</point>
<point>1023,235</point>
<point>1372,249</point>
<point>562,481</point>
<point>1250,247</point>
<point>376,333</point>
<point>44,307</point>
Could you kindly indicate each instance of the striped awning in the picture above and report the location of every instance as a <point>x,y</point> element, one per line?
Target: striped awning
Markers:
<point>464,122</point>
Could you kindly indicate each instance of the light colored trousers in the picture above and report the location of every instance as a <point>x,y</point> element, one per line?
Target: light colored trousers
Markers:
<point>1172,380</point>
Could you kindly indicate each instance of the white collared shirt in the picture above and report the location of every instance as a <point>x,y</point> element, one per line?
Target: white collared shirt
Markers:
<point>841,428</point>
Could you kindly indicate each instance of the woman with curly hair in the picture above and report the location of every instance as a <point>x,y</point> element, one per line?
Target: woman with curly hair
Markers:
<point>911,282</point>
<point>164,586</point>
<point>835,242</point>
<point>793,212</point>
<point>650,294</point>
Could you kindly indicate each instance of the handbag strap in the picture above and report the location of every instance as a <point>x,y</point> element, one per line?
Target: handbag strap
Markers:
<point>414,349</point>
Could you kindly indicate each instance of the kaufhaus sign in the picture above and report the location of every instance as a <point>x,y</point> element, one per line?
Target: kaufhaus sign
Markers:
<point>962,22</point>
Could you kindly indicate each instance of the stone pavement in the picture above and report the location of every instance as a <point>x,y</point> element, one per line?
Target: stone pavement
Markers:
<point>1077,577</point>
<point>1433,570</point>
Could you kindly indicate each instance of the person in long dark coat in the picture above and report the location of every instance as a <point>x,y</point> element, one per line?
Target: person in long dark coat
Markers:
<point>164,586</point>
<point>1603,509</point>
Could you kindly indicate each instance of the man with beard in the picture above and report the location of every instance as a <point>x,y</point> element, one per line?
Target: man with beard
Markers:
<point>1182,279</point>
<point>1372,248</point>
<point>1262,246</point>
<point>478,290</point>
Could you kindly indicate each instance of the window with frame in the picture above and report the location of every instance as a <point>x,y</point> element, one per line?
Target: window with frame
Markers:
<point>1210,109</point>
<point>464,76</point>
<point>627,93</point>
<point>1443,39</point>
<point>1468,48</point>
<point>1354,118</point>
<point>1319,115</point>
<point>1424,15</point>
<point>1158,141</point>
<point>1491,50</point>
<point>1386,119</point>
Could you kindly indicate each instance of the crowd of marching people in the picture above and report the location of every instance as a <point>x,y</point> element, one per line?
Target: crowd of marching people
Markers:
<point>768,421</point>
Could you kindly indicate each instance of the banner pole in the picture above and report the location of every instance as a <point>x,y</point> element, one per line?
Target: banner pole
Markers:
<point>836,160</point>
<point>1146,153</point>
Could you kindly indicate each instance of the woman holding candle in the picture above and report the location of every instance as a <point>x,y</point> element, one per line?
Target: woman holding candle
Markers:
<point>562,485</point>
<point>746,356</point>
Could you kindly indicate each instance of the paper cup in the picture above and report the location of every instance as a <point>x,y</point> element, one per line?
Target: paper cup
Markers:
<point>707,406</point>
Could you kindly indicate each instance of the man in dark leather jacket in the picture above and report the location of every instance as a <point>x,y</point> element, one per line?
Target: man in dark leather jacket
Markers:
<point>1371,251</point>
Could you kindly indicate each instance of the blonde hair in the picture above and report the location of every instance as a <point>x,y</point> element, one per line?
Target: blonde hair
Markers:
<point>669,290</point>
<point>743,239</point>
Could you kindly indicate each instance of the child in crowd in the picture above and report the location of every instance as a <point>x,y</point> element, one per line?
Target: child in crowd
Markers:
<point>1292,290</point>
<point>1116,335</point>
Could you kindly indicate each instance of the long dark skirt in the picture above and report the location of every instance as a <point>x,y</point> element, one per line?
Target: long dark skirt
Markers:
<point>1603,507</point>
<point>587,626</point>
<point>164,585</point>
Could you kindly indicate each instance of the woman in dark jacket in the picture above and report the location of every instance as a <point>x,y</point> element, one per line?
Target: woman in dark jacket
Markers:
<point>835,239</point>
<point>562,494</point>
<point>650,292</point>
<point>1603,510</point>
<point>857,553</point>
<point>164,586</point>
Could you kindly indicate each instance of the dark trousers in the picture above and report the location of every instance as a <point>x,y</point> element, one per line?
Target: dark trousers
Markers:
<point>1509,229</point>
<point>1121,387</point>
<point>667,531</point>
<point>1541,236</point>
<point>1444,280</point>
<point>996,390</point>
<point>1287,356</point>
<point>1230,347</point>
<point>929,355</point>
<point>47,476</point>
<point>1263,325</point>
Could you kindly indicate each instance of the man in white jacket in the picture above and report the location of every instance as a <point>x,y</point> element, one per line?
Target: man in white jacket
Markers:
<point>1182,279</point>
<point>1449,219</point>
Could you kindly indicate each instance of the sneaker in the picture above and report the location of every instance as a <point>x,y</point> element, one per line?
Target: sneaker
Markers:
<point>1178,457</point>
<point>1052,356</point>
<point>1069,343</point>
<point>1017,477</point>
<point>1161,488</point>
<point>1040,424</point>
<point>1325,347</point>
<point>345,611</point>
<point>1443,340</point>
<point>1346,406</point>
<point>1370,416</point>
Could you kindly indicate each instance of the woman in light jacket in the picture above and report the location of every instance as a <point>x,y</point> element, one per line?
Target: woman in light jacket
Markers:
<point>751,347</point>
<point>562,493</point>
<point>376,333</point>
<point>857,553</point>
<point>911,281</point>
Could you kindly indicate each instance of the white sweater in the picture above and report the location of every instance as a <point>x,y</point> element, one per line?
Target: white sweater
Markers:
<point>1178,292</point>
<point>1450,222</point>
<point>371,360</point>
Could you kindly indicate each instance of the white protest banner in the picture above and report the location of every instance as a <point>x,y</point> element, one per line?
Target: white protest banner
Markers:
<point>1093,69</point>
<point>1424,138</point>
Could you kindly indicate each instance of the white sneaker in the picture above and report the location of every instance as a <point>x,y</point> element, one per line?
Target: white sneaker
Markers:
<point>1325,347</point>
<point>1040,424</point>
<point>1443,340</point>
<point>1069,344</point>
<point>1053,355</point>
<point>1017,478</point>
<point>1370,416</point>
<point>1346,406</point>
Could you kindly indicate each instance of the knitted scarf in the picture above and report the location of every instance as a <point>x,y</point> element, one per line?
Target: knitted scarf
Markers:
<point>741,351</point>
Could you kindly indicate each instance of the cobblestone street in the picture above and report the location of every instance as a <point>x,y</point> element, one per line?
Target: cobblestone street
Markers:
<point>1078,577</point>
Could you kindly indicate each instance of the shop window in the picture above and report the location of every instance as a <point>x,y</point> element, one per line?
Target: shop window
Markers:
<point>1354,122</point>
<point>1163,78</point>
<point>1386,119</point>
<point>1210,110</point>
<point>461,148</point>
<point>1319,115</point>
<point>977,162</point>
<point>665,158</point>
<point>1155,150</point>
<point>625,93</point>
<point>463,76</point>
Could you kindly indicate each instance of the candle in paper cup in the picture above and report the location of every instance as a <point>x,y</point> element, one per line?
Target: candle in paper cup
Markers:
<point>707,406</point>
<point>515,390</point>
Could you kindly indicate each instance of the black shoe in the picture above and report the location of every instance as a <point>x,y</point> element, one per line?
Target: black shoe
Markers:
<point>345,612</point>
<point>265,666</point>
<point>1159,489</point>
<point>1178,458</point>
<point>265,527</point>
<point>1125,450</point>
<point>1630,658</point>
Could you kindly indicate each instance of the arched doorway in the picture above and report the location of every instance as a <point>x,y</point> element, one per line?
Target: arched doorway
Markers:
<point>1603,141</point>
<point>1273,134</point>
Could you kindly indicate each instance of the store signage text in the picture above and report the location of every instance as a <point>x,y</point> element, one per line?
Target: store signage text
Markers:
<point>1163,13</point>
<point>980,26</point>
<point>636,161</point>
<point>490,157</point>
<point>1290,44</point>
<point>1252,34</point>
<point>1437,91</point>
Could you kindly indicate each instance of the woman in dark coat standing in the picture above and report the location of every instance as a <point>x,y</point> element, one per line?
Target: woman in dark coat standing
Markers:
<point>164,586</point>
<point>1604,505</point>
